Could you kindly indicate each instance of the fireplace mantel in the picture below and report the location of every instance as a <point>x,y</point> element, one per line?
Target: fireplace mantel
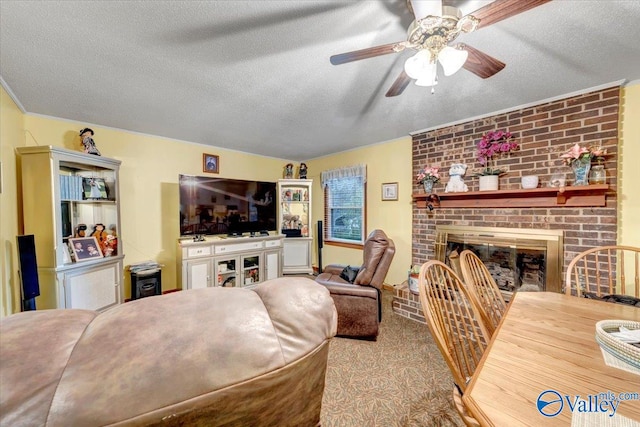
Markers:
<point>579,196</point>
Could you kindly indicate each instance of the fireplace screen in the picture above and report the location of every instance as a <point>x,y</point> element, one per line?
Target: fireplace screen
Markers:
<point>518,259</point>
<point>513,268</point>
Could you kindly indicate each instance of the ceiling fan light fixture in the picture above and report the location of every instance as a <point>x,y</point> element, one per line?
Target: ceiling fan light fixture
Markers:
<point>419,65</point>
<point>452,59</point>
<point>428,81</point>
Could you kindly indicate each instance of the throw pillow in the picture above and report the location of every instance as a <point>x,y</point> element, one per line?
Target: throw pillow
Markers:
<point>349,273</point>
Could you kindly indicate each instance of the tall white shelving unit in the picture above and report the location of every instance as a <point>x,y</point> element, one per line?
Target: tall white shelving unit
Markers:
<point>55,201</point>
<point>294,221</point>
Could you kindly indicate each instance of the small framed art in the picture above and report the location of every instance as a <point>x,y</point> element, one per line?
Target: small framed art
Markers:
<point>94,188</point>
<point>390,191</point>
<point>85,248</point>
<point>210,163</point>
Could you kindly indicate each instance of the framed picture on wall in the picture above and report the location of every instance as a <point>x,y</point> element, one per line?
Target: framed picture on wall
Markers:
<point>390,191</point>
<point>210,163</point>
<point>85,248</point>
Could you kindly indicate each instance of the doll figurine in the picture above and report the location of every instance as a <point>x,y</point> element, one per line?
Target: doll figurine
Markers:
<point>80,230</point>
<point>288,171</point>
<point>303,171</point>
<point>88,144</point>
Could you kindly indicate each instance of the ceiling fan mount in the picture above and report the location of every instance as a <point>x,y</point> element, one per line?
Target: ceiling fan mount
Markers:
<point>436,26</point>
<point>438,31</point>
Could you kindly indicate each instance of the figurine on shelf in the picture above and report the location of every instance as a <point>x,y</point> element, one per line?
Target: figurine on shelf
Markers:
<point>100,234</point>
<point>303,171</point>
<point>80,230</point>
<point>110,246</point>
<point>88,144</point>
<point>456,184</point>
<point>288,171</point>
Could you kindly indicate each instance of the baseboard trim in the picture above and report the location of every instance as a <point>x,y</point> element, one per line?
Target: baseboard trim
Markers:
<point>388,287</point>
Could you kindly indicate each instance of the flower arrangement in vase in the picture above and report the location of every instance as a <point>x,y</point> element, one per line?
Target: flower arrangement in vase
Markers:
<point>427,176</point>
<point>489,148</point>
<point>580,158</point>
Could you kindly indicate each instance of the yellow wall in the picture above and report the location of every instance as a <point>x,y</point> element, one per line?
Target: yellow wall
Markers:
<point>629,172</point>
<point>387,162</point>
<point>11,136</point>
<point>148,182</point>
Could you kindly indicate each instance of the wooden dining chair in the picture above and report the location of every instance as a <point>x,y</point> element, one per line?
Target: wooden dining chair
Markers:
<point>604,270</point>
<point>454,321</point>
<point>481,284</point>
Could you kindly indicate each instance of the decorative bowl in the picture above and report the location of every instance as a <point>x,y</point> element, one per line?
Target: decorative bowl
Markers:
<point>615,351</point>
<point>529,181</point>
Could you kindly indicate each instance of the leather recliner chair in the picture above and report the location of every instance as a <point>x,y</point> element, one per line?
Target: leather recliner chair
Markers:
<point>358,303</point>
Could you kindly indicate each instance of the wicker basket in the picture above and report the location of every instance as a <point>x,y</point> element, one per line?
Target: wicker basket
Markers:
<point>617,353</point>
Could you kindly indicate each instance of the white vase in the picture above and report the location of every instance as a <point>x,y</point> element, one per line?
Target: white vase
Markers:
<point>529,181</point>
<point>488,182</point>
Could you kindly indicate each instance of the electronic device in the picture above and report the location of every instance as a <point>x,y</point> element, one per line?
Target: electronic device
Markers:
<point>211,205</point>
<point>28,271</point>
<point>320,240</point>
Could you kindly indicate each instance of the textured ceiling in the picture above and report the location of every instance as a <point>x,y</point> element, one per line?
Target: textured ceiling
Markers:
<point>255,76</point>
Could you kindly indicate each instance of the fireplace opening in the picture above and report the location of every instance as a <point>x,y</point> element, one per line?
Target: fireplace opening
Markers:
<point>512,268</point>
<point>518,259</point>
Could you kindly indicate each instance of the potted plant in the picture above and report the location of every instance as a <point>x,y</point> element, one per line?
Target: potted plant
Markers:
<point>427,176</point>
<point>490,147</point>
<point>579,158</point>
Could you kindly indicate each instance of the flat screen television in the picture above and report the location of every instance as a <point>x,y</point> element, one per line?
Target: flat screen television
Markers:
<point>226,206</point>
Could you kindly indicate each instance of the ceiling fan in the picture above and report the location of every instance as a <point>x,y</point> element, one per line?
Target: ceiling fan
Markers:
<point>436,26</point>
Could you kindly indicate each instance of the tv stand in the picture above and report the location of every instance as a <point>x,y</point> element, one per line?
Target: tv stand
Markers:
<point>220,261</point>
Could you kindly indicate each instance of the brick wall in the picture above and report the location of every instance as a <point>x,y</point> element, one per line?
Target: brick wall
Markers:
<point>544,132</point>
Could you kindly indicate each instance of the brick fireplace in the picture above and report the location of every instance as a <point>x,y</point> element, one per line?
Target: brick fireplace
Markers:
<point>544,132</point>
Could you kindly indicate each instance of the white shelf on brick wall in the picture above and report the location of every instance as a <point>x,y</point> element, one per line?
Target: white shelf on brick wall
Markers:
<point>580,196</point>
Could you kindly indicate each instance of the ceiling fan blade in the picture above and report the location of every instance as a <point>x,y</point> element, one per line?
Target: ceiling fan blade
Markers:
<point>370,52</point>
<point>503,9</point>
<point>399,85</point>
<point>481,64</point>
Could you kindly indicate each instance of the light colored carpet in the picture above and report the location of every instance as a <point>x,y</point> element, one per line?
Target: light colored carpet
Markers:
<point>399,380</point>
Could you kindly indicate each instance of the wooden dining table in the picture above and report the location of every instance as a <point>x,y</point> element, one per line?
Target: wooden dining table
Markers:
<point>544,354</point>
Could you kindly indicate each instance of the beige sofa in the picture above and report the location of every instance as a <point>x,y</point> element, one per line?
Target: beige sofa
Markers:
<point>215,356</point>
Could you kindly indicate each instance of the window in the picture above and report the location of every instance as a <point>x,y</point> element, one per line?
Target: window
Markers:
<point>344,207</point>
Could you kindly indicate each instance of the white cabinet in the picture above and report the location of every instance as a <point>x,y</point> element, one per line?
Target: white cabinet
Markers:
<point>229,262</point>
<point>92,287</point>
<point>72,195</point>
<point>297,255</point>
<point>199,273</point>
<point>294,221</point>
<point>272,263</point>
